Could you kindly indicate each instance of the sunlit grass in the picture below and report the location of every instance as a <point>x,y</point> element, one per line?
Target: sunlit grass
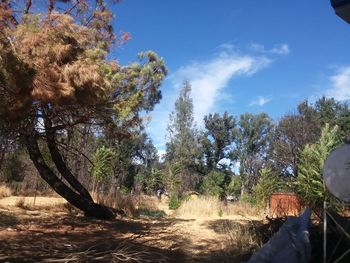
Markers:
<point>212,207</point>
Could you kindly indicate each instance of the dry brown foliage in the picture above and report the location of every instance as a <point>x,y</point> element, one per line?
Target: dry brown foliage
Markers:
<point>240,238</point>
<point>5,191</point>
<point>55,47</point>
<point>117,200</point>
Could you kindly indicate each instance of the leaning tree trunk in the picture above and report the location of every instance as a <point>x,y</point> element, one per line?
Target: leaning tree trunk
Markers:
<point>60,164</point>
<point>81,200</point>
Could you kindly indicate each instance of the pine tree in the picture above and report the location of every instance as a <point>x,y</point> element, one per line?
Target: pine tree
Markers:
<point>55,73</point>
<point>182,147</point>
<point>309,183</point>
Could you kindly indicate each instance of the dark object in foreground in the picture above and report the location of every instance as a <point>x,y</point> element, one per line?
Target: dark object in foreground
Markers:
<point>290,244</point>
<point>342,9</point>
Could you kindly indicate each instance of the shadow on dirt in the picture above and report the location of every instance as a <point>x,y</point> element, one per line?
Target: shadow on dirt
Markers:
<point>7,220</point>
<point>78,239</point>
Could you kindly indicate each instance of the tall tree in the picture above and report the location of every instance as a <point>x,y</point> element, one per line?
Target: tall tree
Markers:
<point>218,136</point>
<point>292,133</point>
<point>54,74</point>
<point>251,144</point>
<point>182,147</point>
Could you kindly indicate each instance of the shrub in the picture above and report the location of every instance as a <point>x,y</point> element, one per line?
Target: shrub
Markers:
<point>214,183</point>
<point>117,200</point>
<point>5,191</point>
<point>309,183</point>
<point>20,202</point>
<point>240,238</point>
<point>103,167</point>
<point>172,177</point>
<point>174,202</point>
<point>268,184</point>
<point>151,213</point>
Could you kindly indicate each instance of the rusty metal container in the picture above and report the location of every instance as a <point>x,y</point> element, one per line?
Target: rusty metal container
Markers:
<point>285,204</point>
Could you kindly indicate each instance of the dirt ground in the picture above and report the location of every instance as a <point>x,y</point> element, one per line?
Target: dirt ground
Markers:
<point>56,235</point>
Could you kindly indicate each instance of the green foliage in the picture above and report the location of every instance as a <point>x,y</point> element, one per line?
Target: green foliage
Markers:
<point>219,134</point>
<point>151,213</point>
<point>182,148</point>
<point>253,136</point>
<point>249,199</point>
<point>103,163</point>
<point>172,179</point>
<point>174,202</point>
<point>150,180</point>
<point>309,183</point>
<point>268,184</point>
<point>15,166</point>
<point>214,183</point>
<point>235,185</point>
<point>155,180</point>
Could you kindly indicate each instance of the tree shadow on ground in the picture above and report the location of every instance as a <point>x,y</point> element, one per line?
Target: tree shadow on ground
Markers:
<point>66,238</point>
<point>7,220</point>
<point>72,239</point>
<point>242,239</point>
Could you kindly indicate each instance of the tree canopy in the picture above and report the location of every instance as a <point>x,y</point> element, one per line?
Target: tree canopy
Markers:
<point>55,73</point>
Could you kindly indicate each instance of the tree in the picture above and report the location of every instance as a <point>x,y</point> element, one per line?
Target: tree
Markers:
<point>252,141</point>
<point>215,184</point>
<point>292,133</point>
<point>268,183</point>
<point>309,183</point>
<point>182,147</point>
<point>54,74</point>
<point>218,136</point>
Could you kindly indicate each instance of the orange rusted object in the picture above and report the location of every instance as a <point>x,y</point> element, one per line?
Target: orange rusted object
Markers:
<point>285,204</point>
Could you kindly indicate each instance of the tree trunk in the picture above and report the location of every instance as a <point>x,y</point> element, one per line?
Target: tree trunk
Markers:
<point>81,202</point>
<point>60,164</point>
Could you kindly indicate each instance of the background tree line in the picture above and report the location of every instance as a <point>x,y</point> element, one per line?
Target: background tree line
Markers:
<point>73,119</point>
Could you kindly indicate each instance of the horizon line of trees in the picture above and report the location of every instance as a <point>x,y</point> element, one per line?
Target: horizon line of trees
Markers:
<point>268,156</point>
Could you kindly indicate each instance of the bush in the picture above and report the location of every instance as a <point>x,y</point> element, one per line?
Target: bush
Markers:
<point>103,163</point>
<point>4,191</point>
<point>151,213</point>
<point>309,183</point>
<point>174,202</point>
<point>268,184</point>
<point>214,184</point>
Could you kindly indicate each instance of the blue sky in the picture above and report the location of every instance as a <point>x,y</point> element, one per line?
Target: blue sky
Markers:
<point>240,56</point>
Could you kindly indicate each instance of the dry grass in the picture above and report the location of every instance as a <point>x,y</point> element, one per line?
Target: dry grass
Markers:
<point>5,191</point>
<point>124,252</point>
<point>20,202</point>
<point>212,207</point>
<point>119,201</point>
<point>240,238</point>
<point>242,209</point>
<point>130,204</point>
<point>37,203</point>
<point>146,202</point>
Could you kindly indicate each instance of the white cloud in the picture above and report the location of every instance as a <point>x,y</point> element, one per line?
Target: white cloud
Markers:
<point>161,155</point>
<point>340,85</point>
<point>210,86</point>
<point>209,78</point>
<point>279,49</point>
<point>260,101</point>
